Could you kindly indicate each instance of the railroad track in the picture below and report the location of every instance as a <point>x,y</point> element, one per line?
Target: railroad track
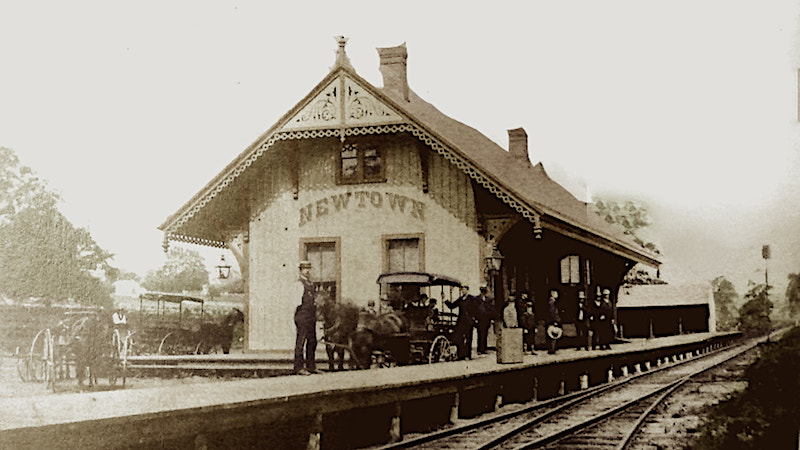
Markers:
<point>606,416</point>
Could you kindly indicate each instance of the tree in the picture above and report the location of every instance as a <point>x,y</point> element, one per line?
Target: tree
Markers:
<point>184,270</point>
<point>754,314</point>
<point>765,414</point>
<point>724,301</point>
<point>41,253</point>
<point>638,276</point>
<point>793,294</point>
<point>632,216</point>
<point>20,188</point>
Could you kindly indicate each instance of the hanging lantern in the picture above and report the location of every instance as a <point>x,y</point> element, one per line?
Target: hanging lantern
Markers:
<point>223,268</point>
<point>495,260</point>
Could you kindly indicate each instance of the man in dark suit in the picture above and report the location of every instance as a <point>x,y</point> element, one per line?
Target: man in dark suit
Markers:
<point>582,322</point>
<point>553,320</point>
<point>305,319</point>
<point>486,313</point>
<point>462,334</point>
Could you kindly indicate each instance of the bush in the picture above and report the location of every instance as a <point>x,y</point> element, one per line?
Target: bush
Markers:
<point>767,413</point>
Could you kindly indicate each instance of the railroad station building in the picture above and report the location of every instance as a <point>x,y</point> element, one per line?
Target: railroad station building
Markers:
<point>362,180</point>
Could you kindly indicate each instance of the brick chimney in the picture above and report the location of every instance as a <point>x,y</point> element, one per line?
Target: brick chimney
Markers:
<point>393,69</point>
<point>518,144</point>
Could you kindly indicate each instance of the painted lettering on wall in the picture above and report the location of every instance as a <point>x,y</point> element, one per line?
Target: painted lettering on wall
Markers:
<point>396,203</point>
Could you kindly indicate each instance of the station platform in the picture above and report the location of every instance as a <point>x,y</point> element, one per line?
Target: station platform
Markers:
<point>168,414</point>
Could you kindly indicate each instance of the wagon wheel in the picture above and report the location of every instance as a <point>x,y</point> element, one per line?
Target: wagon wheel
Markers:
<point>115,355</point>
<point>23,366</point>
<point>172,343</point>
<point>116,341</point>
<point>126,351</point>
<point>40,358</point>
<point>440,350</point>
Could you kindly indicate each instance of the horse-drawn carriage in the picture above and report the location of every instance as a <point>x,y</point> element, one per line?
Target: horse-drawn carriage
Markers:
<point>169,332</point>
<point>412,323</point>
<point>83,346</point>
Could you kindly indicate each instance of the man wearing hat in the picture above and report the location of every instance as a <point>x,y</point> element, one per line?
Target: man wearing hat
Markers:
<point>305,319</point>
<point>582,322</point>
<point>553,322</point>
<point>462,334</point>
<point>486,313</point>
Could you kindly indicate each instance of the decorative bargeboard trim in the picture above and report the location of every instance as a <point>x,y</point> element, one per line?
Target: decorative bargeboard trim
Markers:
<point>429,140</point>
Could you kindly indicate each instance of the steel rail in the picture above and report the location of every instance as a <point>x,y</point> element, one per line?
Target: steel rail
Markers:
<point>559,404</point>
<point>665,391</point>
<point>643,416</point>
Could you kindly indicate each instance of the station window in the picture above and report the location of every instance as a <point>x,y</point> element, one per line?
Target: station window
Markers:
<point>588,272</point>
<point>403,255</point>
<point>361,163</point>
<point>570,270</point>
<point>324,265</point>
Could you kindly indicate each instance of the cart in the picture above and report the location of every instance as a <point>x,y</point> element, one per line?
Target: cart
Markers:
<point>81,346</point>
<point>418,298</point>
<point>165,331</point>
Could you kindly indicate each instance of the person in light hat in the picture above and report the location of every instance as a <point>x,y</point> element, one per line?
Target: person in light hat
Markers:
<point>305,319</point>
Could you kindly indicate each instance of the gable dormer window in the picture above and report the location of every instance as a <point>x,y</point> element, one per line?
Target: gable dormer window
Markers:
<point>361,163</point>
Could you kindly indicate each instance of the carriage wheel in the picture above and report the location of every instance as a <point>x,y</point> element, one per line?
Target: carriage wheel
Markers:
<point>440,350</point>
<point>116,341</point>
<point>126,351</point>
<point>23,366</point>
<point>168,344</point>
<point>39,360</point>
<point>113,357</point>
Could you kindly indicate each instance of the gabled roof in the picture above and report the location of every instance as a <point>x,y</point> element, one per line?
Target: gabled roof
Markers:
<point>531,183</point>
<point>328,110</point>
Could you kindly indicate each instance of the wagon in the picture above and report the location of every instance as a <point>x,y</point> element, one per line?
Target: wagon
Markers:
<point>81,345</point>
<point>164,330</point>
<point>427,326</point>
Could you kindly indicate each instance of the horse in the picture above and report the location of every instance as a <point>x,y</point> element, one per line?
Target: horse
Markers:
<point>90,340</point>
<point>219,334</point>
<point>381,334</point>
<point>339,321</point>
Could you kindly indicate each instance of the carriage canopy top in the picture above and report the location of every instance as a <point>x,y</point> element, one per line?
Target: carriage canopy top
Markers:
<point>162,298</point>
<point>417,278</point>
<point>171,298</point>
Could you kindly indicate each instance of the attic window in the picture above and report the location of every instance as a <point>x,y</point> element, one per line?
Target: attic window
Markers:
<point>360,163</point>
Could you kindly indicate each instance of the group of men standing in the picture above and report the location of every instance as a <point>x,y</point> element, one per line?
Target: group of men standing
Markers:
<point>473,312</point>
<point>593,323</point>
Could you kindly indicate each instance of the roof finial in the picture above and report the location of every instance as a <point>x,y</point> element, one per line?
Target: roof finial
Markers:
<point>341,55</point>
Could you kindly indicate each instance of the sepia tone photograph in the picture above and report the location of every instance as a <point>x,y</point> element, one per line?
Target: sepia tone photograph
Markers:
<point>439,225</point>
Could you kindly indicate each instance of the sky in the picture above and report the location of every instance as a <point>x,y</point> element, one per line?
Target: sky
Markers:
<point>691,107</point>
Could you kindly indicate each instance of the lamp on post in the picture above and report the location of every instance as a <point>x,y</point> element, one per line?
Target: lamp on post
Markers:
<point>495,260</point>
<point>223,268</point>
<point>493,264</point>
